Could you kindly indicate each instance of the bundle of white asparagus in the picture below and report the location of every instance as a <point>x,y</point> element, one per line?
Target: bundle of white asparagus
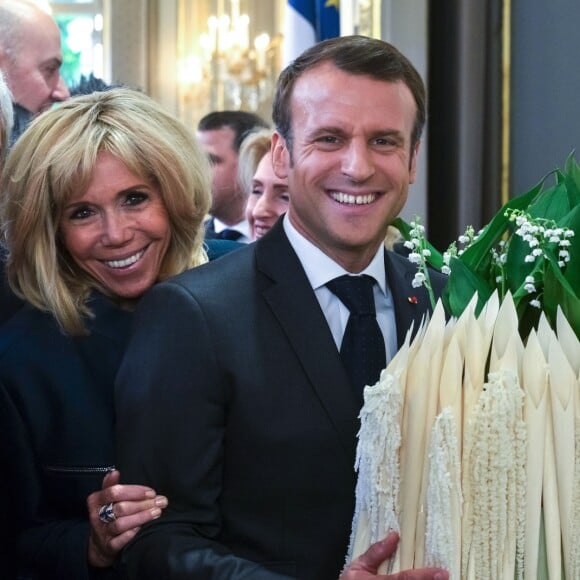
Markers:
<point>469,447</point>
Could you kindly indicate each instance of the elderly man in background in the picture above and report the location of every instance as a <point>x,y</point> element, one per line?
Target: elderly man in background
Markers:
<point>31,57</point>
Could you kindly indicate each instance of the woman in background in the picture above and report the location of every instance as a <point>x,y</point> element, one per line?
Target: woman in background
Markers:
<point>267,194</point>
<point>102,197</point>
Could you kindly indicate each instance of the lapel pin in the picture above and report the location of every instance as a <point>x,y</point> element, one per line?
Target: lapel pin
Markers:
<point>413,299</point>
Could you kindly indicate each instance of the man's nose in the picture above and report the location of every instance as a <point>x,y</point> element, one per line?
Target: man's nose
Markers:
<point>60,92</point>
<point>357,163</point>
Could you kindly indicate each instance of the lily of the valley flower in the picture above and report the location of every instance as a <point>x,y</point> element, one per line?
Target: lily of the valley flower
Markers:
<point>420,255</point>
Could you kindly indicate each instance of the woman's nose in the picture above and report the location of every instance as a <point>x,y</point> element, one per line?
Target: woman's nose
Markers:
<point>264,205</point>
<point>117,230</point>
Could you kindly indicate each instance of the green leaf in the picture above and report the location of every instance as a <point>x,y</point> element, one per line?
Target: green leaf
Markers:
<point>572,179</point>
<point>516,266</point>
<point>572,270</point>
<point>403,227</point>
<point>552,204</point>
<point>463,283</point>
<point>558,292</point>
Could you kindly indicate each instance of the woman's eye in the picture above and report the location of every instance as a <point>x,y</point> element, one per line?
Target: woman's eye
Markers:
<point>135,198</point>
<point>81,213</point>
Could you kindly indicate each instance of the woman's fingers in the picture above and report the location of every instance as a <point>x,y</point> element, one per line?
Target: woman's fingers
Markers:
<point>113,491</point>
<point>130,514</point>
<point>116,512</point>
<point>117,543</point>
<point>111,478</point>
<point>116,493</point>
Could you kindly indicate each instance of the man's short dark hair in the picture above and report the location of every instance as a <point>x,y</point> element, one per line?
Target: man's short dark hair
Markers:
<point>241,123</point>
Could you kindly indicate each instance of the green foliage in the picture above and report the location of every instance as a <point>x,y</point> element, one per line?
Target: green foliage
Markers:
<point>531,248</point>
<point>71,60</point>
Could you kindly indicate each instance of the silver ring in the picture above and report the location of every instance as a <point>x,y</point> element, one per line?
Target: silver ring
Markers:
<point>106,514</point>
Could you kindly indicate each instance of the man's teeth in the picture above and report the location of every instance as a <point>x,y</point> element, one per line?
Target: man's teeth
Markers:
<point>353,199</point>
<point>126,262</point>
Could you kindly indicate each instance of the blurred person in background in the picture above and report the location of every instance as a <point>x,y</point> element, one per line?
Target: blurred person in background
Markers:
<point>9,303</point>
<point>31,57</point>
<point>267,193</point>
<point>221,134</point>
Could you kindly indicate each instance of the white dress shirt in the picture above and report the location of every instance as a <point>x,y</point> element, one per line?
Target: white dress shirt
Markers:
<point>321,269</point>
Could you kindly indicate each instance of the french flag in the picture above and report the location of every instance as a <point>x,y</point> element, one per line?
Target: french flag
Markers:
<point>308,22</point>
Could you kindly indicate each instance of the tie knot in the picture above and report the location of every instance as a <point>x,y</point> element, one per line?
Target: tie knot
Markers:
<point>356,293</point>
<point>229,234</point>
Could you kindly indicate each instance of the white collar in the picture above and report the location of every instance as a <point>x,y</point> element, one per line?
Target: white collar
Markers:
<point>320,268</point>
<point>243,227</point>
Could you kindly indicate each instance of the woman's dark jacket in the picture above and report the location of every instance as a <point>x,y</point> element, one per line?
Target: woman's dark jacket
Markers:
<point>57,435</point>
<point>56,413</point>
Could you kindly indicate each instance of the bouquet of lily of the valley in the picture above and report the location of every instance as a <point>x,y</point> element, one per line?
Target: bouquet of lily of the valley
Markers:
<point>528,249</point>
<point>470,442</point>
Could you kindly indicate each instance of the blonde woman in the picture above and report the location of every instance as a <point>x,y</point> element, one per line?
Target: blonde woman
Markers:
<point>102,197</point>
<point>267,193</point>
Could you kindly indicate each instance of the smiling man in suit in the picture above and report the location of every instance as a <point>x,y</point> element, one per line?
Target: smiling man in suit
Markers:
<point>237,398</point>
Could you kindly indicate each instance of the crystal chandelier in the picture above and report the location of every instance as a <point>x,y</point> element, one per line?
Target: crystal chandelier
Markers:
<point>230,71</point>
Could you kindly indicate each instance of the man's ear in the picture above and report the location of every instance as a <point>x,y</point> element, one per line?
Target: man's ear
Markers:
<point>413,163</point>
<point>3,60</point>
<point>280,156</point>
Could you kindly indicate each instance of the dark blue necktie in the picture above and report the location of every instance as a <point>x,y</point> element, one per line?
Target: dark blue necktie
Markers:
<point>363,346</point>
<point>228,234</point>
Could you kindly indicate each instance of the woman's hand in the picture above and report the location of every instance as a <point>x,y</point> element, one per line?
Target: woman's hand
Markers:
<point>131,507</point>
<point>366,566</point>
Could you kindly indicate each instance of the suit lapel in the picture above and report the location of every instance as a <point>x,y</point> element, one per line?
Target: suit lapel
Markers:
<point>411,304</point>
<point>293,303</point>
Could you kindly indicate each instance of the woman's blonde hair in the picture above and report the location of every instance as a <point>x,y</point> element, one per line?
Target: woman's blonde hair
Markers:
<point>253,148</point>
<point>55,158</point>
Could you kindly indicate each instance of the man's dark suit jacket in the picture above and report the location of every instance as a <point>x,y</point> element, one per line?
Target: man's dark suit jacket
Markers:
<point>232,400</point>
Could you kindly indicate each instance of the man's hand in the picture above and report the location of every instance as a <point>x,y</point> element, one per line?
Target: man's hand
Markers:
<point>366,566</point>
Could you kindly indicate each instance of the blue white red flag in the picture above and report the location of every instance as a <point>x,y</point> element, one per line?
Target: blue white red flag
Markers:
<point>308,22</point>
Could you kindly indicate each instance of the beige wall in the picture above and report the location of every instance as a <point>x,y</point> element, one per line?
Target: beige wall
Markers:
<point>145,41</point>
<point>129,42</point>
